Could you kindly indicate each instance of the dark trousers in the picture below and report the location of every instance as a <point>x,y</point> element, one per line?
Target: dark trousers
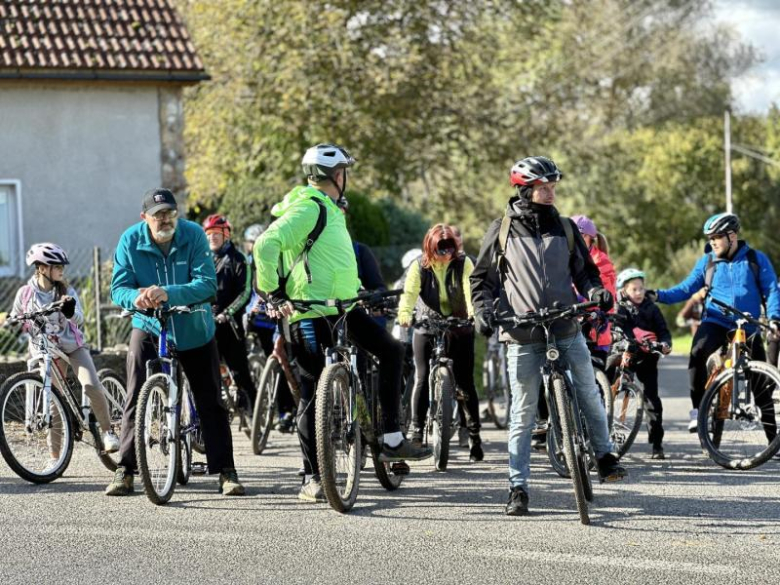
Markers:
<point>232,348</point>
<point>646,369</point>
<point>284,398</point>
<point>460,349</point>
<point>201,366</point>
<point>310,337</point>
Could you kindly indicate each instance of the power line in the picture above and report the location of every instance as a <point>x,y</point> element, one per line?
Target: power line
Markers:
<point>753,154</point>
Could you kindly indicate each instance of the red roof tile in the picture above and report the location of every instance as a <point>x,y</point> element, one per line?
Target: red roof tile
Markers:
<point>143,37</point>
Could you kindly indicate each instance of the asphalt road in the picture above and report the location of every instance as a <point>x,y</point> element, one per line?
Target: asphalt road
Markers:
<point>682,520</point>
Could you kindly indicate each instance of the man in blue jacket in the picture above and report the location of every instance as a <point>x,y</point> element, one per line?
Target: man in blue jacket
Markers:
<point>736,275</point>
<point>164,260</point>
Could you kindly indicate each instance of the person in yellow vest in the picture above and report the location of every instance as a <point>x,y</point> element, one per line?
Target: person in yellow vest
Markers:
<point>438,282</point>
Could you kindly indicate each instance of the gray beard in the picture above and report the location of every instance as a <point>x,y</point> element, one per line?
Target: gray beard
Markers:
<point>165,235</point>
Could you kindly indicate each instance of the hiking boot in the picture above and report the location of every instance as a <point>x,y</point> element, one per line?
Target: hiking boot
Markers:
<point>476,453</point>
<point>693,426</point>
<point>311,491</point>
<point>122,484</point>
<point>229,484</point>
<point>610,468</point>
<point>463,438</point>
<point>518,502</point>
<point>658,452</point>
<point>404,451</point>
<point>110,442</point>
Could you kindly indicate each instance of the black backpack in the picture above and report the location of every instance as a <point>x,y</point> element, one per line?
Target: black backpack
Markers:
<point>322,221</point>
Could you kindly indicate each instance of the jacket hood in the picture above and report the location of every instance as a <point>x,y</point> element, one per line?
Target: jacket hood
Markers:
<point>520,207</point>
<point>300,193</point>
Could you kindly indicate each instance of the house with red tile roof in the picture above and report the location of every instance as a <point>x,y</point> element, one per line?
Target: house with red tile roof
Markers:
<point>90,118</point>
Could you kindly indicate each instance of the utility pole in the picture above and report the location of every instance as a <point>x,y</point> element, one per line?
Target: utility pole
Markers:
<point>727,148</point>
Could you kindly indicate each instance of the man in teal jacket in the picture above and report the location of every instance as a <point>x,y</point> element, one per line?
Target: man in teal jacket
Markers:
<point>164,260</point>
<point>328,271</point>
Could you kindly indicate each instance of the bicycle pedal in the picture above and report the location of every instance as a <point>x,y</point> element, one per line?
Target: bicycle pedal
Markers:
<point>400,468</point>
<point>198,468</point>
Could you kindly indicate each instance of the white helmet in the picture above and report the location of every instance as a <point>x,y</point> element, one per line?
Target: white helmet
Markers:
<point>46,254</point>
<point>410,257</point>
<point>253,232</point>
<point>629,274</point>
<point>322,160</point>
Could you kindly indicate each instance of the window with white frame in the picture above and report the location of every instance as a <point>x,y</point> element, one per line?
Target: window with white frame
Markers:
<point>10,228</point>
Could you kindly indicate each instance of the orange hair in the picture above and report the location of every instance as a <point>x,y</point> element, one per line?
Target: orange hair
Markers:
<point>438,233</point>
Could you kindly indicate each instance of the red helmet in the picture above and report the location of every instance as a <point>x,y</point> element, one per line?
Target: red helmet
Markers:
<point>217,222</point>
<point>642,335</point>
<point>534,170</point>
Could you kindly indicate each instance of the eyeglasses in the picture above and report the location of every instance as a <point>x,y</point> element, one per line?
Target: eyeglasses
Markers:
<point>166,215</point>
<point>714,237</point>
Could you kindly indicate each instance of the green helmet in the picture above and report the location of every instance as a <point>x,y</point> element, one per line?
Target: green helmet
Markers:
<point>629,274</point>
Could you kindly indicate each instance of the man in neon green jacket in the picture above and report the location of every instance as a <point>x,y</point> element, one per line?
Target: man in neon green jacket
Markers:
<point>325,270</point>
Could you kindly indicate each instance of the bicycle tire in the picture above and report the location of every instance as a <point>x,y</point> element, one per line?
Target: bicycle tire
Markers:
<point>117,394</point>
<point>156,443</point>
<point>15,434</point>
<point>184,464</point>
<point>384,471</point>
<point>441,414</point>
<point>339,463</point>
<point>196,441</point>
<point>265,401</point>
<point>715,421</point>
<point>568,427</point>
<point>555,453</point>
<point>627,401</point>
<point>405,414</point>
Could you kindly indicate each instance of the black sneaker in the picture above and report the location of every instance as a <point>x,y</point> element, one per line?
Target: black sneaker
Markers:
<point>518,502</point>
<point>658,453</point>
<point>539,442</point>
<point>403,452</point>
<point>122,484</point>
<point>610,468</point>
<point>476,453</point>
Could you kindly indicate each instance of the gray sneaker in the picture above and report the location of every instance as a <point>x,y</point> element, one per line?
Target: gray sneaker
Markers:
<point>406,451</point>
<point>122,484</point>
<point>311,491</point>
<point>229,484</point>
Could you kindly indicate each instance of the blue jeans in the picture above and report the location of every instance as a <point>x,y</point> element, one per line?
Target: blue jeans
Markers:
<point>525,378</point>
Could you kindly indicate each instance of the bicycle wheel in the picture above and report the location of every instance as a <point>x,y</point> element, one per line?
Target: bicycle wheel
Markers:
<point>555,451</point>
<point>188,414</point>
<point>116,395</point>
<point>156,439</point>
<point>441,414</point>
<point>571,446</point>
<point>384,471</point>
<point>499,400</point>
<point>746,437</point>
<point>625,410</point>
<point>27,442</point>
<point>405,414</point>
<point>265,404</point>
<point>184,464</point>
<point>338,438</point>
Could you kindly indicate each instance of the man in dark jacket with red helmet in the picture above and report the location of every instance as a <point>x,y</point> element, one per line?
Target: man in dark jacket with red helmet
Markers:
<point>529,261</point>
<point>234,288</point>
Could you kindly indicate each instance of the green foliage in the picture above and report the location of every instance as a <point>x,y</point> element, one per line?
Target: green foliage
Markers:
<point>366,222</point>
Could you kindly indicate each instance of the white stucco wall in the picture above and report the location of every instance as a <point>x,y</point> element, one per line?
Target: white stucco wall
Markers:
<point>84,154</point>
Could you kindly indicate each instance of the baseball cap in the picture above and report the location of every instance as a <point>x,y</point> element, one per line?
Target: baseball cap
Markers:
<point>157,200</point>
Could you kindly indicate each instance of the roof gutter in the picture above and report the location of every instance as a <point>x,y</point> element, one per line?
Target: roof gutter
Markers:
<point>104,75</point>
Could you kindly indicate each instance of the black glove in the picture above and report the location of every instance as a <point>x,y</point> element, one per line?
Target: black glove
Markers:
<point>651,296</point>
<point>68,307</point>
<point>483,321</point>
<point>602,296</point>
<point>277,297</point>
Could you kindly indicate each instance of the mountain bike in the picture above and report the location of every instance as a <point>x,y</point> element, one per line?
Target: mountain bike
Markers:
<point>567,421</point>
<point>741,405</point>
<point>495,381</point>
<point>443,394</point>
<point>42,416</point>
<point>162,443</point>
<point>347,410</point>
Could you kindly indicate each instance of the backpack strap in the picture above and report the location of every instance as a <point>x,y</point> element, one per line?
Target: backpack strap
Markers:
<point>503,238</point>
<point>752,258</point>
<point>311,239</point>
<point>27,295</point>
<point>566,223</point>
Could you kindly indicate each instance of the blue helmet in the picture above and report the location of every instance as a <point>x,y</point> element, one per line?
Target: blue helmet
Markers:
<point>721,223</point>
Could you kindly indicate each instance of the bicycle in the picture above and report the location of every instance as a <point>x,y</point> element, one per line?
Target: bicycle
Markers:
<point>348,412</point>
<point>442,391</point>
<point>738,414</point>
<point>495,381</point>
<point>567,421</point>
<point>41,413</point>
<point>163,445</point>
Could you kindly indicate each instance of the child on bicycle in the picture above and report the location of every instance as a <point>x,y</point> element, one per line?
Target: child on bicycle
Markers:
<point>642,320</point>
<point>46,286</point>
<point>438,282</point>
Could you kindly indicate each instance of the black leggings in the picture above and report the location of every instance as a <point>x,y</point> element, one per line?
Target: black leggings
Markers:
<point>460,349</point>
<point>310,337</point>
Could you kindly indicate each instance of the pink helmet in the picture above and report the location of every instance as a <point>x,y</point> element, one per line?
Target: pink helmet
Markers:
<point>46,254</point>
<point>585,225</point>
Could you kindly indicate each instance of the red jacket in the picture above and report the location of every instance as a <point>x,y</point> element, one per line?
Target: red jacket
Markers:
<point>609,279</point>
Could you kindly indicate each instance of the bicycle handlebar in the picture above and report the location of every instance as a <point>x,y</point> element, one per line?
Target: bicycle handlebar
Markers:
<point>157,313</point>
<point>367,298</point>
<point>33,315</point>
<point>443,323</point>
<point>738,313</point>
<point>547,315</point>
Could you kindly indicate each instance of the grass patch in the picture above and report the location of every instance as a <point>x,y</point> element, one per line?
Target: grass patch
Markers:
<point>681,344</point>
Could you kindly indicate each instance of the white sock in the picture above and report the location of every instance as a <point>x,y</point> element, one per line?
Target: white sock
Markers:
<point>307,478</point>
<point>392,440</point>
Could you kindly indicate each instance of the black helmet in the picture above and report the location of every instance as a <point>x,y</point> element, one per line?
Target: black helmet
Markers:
<point>534,170</point>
